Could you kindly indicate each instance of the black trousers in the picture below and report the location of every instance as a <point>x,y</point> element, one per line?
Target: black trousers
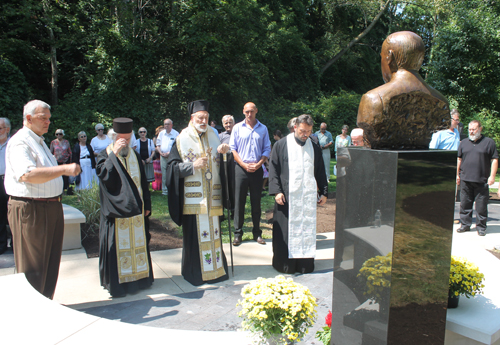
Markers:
<point>471,192</point>
<point>65,178</point>
<point>245,181</point>
<point>4,199</point>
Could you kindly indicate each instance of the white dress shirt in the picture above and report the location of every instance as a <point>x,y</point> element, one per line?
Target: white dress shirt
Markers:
<point>166,140</point>
<point>25,152</point>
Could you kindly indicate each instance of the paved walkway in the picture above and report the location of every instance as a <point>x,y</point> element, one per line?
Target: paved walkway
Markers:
<point>173,304</point>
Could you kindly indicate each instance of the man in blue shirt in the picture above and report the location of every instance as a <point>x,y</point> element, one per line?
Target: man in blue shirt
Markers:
<point>325,141</point>
<point>251,147</point>
<point>447,139</point>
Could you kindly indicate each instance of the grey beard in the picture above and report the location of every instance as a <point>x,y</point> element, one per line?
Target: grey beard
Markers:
<point>124,152</point>
<point>199,129</point>
<point>475,136</point>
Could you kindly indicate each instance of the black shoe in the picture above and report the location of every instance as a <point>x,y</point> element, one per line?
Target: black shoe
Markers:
<point>237,239</point>
<point>463,228</point>
<point>259,240</point>
<point>481,232</point>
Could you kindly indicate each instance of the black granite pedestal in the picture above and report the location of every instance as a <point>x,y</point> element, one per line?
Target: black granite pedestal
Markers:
<point>393,238</point>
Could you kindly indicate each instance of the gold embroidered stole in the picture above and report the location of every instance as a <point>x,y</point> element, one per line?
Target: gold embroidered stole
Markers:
<point>203,197</point>
<point>130,235</point>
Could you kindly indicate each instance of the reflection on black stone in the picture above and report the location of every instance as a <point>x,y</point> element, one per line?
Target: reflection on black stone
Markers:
<point>392,246</point>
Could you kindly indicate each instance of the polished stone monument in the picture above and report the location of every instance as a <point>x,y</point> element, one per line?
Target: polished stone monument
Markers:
<point>394,218</point>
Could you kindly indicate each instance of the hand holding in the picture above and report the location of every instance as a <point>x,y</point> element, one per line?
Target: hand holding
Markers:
<point>200,163</point>
<point>223,148</point>
<point>280,198</point>
<point>72,169</point>
<point>322,200</point>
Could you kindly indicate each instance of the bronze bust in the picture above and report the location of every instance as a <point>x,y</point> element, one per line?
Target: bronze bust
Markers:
<point>403,113</point>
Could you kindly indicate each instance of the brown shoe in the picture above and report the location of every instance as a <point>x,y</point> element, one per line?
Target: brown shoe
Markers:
<point>260,240</point>
<point>237,239</point>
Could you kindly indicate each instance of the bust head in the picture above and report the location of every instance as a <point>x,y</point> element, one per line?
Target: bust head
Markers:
<point>401,50</point>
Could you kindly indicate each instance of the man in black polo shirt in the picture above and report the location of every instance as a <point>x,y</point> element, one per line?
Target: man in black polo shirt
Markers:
<point>476,170</point>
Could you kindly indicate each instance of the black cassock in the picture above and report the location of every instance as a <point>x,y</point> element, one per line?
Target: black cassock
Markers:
<point>120,198</point>
<point>278,183</point>
<point>191,266</point>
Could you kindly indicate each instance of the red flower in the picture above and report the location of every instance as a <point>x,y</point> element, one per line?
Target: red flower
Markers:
<point>328,319</point>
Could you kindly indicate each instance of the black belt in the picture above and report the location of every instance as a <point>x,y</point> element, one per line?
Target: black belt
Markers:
<point>54,199</point>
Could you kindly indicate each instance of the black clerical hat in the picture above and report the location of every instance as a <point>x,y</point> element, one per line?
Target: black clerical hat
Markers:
<point>122,125</point>
<point>200,105</point>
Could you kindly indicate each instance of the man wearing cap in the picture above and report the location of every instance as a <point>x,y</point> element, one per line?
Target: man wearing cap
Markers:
<point>164,144</point>
<point>124,259</point>
<point>33,179</point>
<point>251,148</point>
<point>195,197</point>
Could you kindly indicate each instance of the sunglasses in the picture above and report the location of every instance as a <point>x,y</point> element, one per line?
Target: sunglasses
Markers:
<point>100,129</point>
<point>59,134</point>
<point>142,131</point>
<point>83,137</point>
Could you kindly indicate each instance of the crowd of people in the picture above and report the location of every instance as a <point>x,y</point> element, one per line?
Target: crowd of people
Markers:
<point>187,167</point>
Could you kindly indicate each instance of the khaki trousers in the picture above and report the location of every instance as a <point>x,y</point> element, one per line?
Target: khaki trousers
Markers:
<point>38,230</point>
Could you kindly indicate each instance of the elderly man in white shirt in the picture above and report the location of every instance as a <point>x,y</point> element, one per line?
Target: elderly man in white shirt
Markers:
<point>164,143</point>
<point>35,185</point>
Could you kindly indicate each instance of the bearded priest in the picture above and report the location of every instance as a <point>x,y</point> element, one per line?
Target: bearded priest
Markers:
<point>296,177</point>
<point>124,258</point>
<point>195,197</point>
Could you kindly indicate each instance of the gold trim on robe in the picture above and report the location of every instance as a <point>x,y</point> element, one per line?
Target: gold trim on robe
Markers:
<point>203,197</point>
<point>130,234</point>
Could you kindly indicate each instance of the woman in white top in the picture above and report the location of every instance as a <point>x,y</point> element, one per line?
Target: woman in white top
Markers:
<point>146,149</point>
<point>342,140</point>
<point>84,156</point>
<point>101,141</point>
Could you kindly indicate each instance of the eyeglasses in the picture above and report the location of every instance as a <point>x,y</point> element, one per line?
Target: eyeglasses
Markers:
<point>83,136</point>
<point>142,131</point>
<point>59,134</point>
<point>455,119</point>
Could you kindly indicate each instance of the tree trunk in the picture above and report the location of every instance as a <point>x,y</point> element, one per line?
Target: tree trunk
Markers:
<point>356,40</point>
<point>53,65</point>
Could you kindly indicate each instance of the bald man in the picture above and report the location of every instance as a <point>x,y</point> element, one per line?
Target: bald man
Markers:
<point>251,148</point>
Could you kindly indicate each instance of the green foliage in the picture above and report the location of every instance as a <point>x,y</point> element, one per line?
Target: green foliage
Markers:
<point>336,110</point>
<point>465,62</point>
<point>147,60</point>
<point>13,93</point>
<point>90,205</point>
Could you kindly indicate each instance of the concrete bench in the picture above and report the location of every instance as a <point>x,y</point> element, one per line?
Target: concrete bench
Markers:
<point>72,220</point>
<point>477,320</point>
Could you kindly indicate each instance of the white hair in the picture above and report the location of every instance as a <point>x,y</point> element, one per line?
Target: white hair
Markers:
<point>6,121</point>
<point>31,106</point>
<point>228,117</point>
<point>99,126</point>
<point>356,132</point>
<point>112,135</point>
